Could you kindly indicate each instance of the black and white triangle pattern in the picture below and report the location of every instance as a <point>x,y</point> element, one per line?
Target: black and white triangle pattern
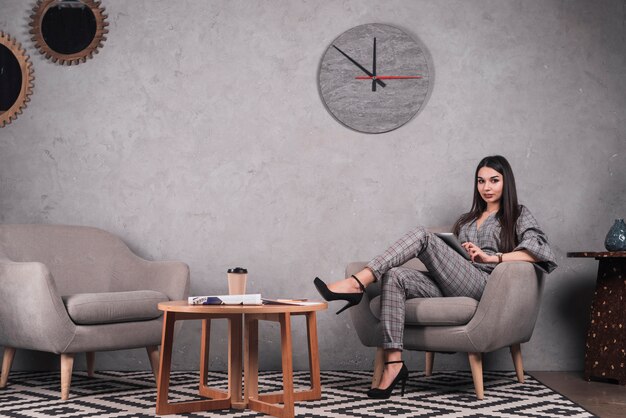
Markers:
<point>133,395</point>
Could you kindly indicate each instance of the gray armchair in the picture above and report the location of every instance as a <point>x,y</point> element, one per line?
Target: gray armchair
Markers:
<point>73,289</point>
<point>505,316</point>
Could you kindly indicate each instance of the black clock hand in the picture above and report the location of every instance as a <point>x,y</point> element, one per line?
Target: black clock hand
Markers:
<point>374,68</point>
<point>382,84</point>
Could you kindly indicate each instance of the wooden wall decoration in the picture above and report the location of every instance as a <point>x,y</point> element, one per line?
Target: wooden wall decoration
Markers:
<point>68,31</point>
<point>16,79</point>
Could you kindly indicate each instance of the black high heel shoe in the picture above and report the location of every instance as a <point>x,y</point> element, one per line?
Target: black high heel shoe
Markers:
<point>351,298</point>
<point>403,375</point>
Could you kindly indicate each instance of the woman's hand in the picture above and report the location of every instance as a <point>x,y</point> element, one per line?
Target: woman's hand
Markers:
<point>477,254</point>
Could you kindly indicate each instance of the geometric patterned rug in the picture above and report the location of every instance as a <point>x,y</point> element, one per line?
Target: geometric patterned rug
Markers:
<point>133,395</point>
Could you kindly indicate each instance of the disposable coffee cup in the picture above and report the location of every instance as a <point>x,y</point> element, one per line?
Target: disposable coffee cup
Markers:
<point>237,281</point>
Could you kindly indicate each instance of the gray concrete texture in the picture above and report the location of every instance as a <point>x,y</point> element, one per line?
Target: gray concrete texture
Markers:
<point>198,134</point>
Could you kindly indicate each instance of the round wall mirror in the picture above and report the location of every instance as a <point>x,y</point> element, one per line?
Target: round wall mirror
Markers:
<point>68,31</point>
<point>16,79</point>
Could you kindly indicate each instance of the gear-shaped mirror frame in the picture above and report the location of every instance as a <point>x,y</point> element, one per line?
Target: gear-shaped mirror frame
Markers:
<point>26,88</point>
<point>39,11</point>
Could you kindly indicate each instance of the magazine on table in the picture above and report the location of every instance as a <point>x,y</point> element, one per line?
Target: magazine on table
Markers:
<point>297,302</point>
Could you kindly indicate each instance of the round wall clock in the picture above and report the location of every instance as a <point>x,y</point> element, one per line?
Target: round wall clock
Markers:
<point>374,78</point>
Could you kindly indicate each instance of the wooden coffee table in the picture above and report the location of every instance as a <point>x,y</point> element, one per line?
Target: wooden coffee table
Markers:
<point>235,314</point>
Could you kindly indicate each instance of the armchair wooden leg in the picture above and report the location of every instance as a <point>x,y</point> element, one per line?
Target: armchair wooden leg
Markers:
<point>91,361</point>
<point>67,364</point>
<point>379,365</point>
<point>516,354</point>
<point>476,364</point>
<point>153,355</point>
<point>7,360</point>
<point>430,359</point>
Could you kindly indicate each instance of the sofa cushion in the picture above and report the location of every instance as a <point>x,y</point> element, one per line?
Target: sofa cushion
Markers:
<point>434,311</point>
<point>111,307</point>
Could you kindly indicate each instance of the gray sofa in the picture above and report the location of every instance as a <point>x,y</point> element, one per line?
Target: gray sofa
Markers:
<point>504,317</point>
<point>72,289</point>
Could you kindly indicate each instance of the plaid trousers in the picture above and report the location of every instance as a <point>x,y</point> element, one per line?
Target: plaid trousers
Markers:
<point>449,274</point>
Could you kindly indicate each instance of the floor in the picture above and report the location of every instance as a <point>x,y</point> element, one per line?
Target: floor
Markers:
<point>445,394</point>
<point>606,400</point>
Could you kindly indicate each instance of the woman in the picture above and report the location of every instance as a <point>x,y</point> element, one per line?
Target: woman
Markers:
<point>496,230</point>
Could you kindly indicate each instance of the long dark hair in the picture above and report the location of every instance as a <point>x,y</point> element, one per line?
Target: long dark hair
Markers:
<point>509,208</point>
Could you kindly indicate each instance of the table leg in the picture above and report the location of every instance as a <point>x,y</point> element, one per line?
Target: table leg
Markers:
<point>266,403</point>
<point>204,352</point>
<point>314,357</point>
<point>163,406</point>
<point>205,390</point>
<point>315,391</point>
<point>234,361</point>
<point>251,371</point>
<point>165,363</point>
<point>605,354</point>
<point>286,352</point>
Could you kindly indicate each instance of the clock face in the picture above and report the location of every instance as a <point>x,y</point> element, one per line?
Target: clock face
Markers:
<point>374,78</point>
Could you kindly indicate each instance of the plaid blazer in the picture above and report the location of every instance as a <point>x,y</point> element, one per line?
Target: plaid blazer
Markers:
<point>530,237</point>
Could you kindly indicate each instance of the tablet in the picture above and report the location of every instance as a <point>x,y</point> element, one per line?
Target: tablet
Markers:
<point>451,239</point>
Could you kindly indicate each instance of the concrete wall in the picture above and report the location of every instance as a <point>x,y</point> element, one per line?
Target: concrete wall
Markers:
<point>198,134</point>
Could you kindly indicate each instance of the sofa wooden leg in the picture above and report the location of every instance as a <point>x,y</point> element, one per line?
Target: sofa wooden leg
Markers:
<point>516,354</point>
<point>153,355</point>
<point>67,364</point>
<point>91,363</point>
<point>379,365</point>
<point>430,359</point>
<point>7,360</point>
<point>476,364</point>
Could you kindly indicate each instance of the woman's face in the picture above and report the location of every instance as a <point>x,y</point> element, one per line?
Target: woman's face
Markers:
<point>490,184</point>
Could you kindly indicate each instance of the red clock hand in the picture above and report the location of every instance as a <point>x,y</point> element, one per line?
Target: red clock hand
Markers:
<point>386,77</point>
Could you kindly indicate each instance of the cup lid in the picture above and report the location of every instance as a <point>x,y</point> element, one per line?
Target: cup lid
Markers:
<point>238,270</point>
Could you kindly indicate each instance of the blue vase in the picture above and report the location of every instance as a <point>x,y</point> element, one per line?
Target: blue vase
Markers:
<point>616,238</point>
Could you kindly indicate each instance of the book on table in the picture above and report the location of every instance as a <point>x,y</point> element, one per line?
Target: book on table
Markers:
<point>249,299</point>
